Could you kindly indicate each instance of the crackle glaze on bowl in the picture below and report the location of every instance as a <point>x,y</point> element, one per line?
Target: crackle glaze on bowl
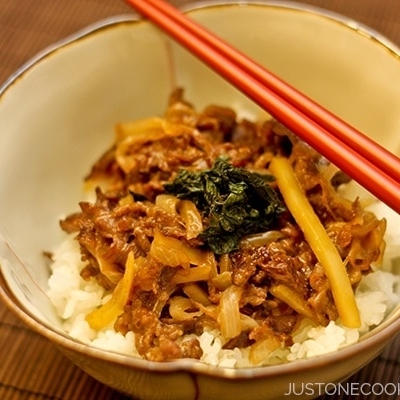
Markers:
<point>57,115</point>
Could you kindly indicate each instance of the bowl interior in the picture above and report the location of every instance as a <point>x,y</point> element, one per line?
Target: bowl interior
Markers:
<point>58,113</point>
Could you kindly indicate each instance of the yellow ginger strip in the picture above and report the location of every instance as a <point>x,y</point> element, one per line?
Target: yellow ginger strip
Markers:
<point>108,312</point>
<point>319,241</point>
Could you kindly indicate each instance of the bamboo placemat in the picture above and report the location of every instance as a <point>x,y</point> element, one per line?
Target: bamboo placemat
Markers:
<point>31,367</point>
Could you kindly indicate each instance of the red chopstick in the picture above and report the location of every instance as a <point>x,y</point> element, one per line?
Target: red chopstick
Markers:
<point>381,157</point>
<point>361,158</point>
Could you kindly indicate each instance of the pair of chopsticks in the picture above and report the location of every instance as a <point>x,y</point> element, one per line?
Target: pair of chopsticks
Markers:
<point>364,160</point>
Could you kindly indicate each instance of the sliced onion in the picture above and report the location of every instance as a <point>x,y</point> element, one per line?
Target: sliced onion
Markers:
<point>261,350</point>
<point>229,315</point>
<point>196,293</point>
<point>223,281</point>
<point>179,306</point>
<point>261,239</point>
<point>192,218</point>
<point>173,252</point>
<point>194,274</point>
<point>168,203</point>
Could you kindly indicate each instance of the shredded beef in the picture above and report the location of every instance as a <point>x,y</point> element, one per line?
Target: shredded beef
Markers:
<point>123,219</point>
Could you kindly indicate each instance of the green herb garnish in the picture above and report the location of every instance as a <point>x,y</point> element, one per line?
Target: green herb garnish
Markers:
<point>234,202</point>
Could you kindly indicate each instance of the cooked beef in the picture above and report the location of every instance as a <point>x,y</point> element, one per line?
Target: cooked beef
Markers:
<point>124,216</point>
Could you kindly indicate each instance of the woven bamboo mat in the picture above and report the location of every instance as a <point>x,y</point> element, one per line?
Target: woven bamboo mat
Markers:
<point>31,367</point>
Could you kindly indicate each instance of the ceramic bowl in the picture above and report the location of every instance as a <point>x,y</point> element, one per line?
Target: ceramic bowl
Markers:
<point>57,115</point>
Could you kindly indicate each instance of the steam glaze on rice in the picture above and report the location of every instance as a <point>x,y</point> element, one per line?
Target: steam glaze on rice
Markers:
<point>180,285</point>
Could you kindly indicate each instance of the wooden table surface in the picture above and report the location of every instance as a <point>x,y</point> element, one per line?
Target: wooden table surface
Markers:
<point>30,366</point>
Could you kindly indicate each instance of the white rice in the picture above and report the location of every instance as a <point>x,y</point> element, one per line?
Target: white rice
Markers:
<point>376,296</point>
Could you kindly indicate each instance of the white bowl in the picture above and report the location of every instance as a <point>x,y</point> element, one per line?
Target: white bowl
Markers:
<point>57,114</point>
